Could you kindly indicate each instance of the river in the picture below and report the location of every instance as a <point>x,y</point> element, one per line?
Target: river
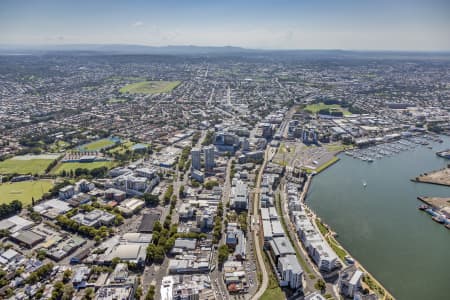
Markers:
<point>380,224</point>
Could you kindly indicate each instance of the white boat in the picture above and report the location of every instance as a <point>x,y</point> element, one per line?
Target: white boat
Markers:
<point>364,184</point>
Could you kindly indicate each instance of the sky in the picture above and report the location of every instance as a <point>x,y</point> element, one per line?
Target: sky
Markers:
<point>422,25</point>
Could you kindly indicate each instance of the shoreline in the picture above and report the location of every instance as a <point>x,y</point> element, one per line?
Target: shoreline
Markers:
<point>387,294</point>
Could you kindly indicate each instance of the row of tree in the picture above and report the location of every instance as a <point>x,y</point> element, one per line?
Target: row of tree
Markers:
<point>183,161</point>
<point>9,209</point>
<point>95,173</point>
<point>39,274</point>
<point>168,194</point>
<point>89,231</point>
<point>217,231</point>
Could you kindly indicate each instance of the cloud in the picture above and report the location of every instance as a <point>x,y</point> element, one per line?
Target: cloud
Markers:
<point>137,24</point>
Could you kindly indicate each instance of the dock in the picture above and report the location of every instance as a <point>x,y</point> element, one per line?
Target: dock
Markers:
<point>441,204</point>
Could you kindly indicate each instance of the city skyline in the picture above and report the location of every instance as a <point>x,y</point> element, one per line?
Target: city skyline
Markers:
<point>349,25</point>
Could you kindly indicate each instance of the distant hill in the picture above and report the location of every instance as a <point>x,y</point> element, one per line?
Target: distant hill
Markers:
<point>127,49</point>
<point>92,49</point>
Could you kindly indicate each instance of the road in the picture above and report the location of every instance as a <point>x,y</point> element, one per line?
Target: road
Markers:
<point>216,275</point>
<point>256,238</point>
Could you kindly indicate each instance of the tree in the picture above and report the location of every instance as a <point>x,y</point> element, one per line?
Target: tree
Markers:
<point>181,191</point>
<point>151,293</point>
<point>243,221</point>
<point>41,254</point>
<point>89,294</point>
<point>67,275</point>
<point>223,254</point>
<point>67,292</point>
<point>115,261</point>
<point>151,200</point>
<point>138,293</point>
<point>157,226</point>
<point>151,250</point>
<point>57,292</point>
<point>159,254</point>
<point>210,184</point>
<point>168,194</point>
<point>320,284</point>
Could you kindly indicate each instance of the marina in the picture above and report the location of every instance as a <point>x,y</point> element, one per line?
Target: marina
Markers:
<point>391,148</point>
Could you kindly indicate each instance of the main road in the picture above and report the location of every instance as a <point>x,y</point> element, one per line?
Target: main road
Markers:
<point>256,237</point>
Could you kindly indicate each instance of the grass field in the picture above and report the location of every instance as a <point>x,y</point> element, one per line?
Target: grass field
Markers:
<point>117,100</point>
<point>59,146</point>
<point>323,166</point>
<point>24,191</point>
<point>31,166</point>
<point>121,148</point>
<point>337,147</point>
<point>75,165</point>
<point>150,87</point>
<point>97,145</point>
<point>314,108</point>
<point>273,290</point>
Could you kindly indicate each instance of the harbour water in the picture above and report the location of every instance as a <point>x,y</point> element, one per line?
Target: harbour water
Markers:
<point>380,225</point>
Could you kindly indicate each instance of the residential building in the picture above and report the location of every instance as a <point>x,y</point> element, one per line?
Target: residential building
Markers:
<point>239,195</point>
<point>349,281</point>
<point>209,157</point>
<point>196,159</point>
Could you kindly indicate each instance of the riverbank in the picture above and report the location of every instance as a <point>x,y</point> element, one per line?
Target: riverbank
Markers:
<point>369,281</point>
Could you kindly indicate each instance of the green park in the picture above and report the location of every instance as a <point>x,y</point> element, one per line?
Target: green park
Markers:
<point>26,164</point>
<point>24,191</point>
<point>316,107</point>
<point>68,166</point>
<point>150,87</point>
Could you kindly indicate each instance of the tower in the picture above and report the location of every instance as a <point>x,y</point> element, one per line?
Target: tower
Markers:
<point>209,157</point>
<point>196,163</point>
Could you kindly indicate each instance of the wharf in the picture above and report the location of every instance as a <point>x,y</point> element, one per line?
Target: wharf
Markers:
<point>440,177</point>
<point>439,203</point>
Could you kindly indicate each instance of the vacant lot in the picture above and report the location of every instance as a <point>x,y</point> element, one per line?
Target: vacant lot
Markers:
<point>97,145</point>
<point>315,108</point>
<point>150,87</point>
<point>24,191</point>
<point>26,165</point>
<point>441,177</point>
<point>75,165</point>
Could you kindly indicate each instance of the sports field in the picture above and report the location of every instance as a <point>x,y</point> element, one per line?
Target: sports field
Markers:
<point>75,165</point>
<point>315,108</point>
<point>26,164</point>
<point>24,191</point>
<point>150,87</point>
<point>97,145</point>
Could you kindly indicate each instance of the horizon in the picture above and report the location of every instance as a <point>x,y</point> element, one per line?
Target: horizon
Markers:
<point>417,25</point>
<point>72,47</point>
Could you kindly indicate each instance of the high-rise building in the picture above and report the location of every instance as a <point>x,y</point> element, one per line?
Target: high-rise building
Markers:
<point>209,157</point>
<point>196,162</point>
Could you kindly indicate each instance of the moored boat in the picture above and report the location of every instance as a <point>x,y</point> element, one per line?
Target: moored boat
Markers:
<point>423,207</point>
